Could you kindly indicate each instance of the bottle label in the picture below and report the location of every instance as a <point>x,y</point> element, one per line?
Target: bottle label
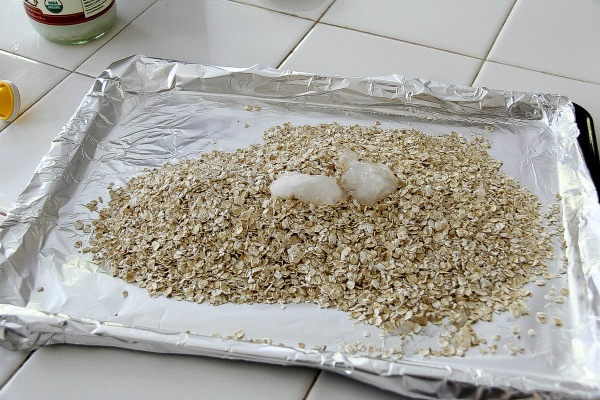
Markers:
<point>65,12</point>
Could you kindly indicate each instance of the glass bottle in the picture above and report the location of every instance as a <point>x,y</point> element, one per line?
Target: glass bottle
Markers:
<point>71,21</point>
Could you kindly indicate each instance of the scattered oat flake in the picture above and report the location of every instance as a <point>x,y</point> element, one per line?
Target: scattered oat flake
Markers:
<point>92,205</point>
<point>540,282</point>
<point>301,345</point>
<point>564,291</point>
<point>366,334</point>
<point>78,225</point>
<point>239,334</point>
<point>557,321</point>
<point>40,289</point>
<point>246,125</point>
<point>125,294</point>
<point>531,332</point>
<point>489,128</point>
<point>541,317</point>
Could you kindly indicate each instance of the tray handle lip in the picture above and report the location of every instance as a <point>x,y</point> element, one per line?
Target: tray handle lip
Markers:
<point>587,142</point>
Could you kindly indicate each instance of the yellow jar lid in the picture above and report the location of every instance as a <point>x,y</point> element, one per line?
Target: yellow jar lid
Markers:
<point>10,101</point>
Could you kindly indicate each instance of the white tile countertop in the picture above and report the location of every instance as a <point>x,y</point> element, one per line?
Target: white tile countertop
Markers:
<point>548,46</point>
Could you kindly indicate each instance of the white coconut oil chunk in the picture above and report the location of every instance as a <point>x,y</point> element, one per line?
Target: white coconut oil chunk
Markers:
<point>367,182</point>
<point>316,189</point>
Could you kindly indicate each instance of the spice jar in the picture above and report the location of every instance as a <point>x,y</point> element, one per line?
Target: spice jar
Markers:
<point>10,101</point>
<point>71,21</point>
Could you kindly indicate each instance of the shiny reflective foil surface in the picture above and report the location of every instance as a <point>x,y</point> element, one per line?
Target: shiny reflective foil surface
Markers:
<point>144,112</point>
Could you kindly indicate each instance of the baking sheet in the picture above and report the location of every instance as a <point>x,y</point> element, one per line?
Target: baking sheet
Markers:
<point>143,112</point>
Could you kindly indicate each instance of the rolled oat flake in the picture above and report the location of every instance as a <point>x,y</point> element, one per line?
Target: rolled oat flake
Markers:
<point>71,21</point>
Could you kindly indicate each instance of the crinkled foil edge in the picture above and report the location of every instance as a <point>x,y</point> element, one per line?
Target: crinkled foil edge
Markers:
<point>25,329</point>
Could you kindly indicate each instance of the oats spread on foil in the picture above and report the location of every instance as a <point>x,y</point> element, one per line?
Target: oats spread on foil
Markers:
<point>455,240</point>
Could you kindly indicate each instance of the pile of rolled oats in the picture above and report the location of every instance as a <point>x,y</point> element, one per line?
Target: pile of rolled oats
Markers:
<point>457,240</point>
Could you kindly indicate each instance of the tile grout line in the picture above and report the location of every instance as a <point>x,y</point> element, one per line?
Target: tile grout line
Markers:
<point>312,384</point>
<point>542,72</point>
<point>316,22</point>
<point>16,370</point>
<point>302,40</point>
<point>69,71</point>
<point>493,43</point>
<point>398,40</point>
<point>9,54</point>
<point>84,74</point>
<point>333,25</point>
<point>231,1</point>
<point>74,70</point>
<point>24,110</point>
<point>239,2</point>
<point>109,40</point>
<point>325,11</point>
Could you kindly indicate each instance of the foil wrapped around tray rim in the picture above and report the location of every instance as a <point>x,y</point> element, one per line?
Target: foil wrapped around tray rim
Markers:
<point>80,302</point>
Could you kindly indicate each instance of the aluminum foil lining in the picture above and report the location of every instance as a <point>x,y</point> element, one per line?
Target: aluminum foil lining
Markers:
<point>144,112</point>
